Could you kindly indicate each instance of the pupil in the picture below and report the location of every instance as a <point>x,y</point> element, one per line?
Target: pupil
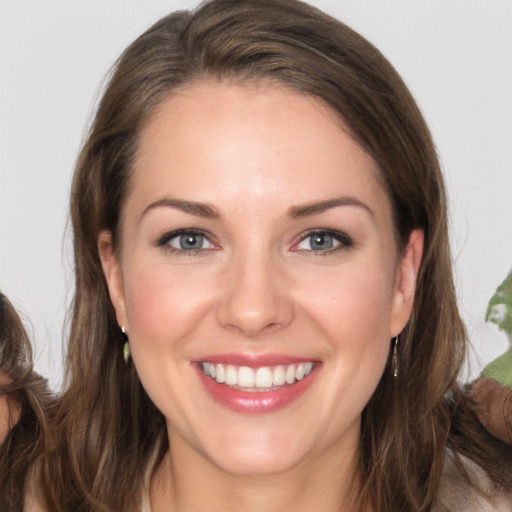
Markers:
<point>321,242</point>
<point>191,241</point>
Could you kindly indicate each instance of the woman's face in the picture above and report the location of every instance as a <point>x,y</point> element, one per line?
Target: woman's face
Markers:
<point>258,241</point>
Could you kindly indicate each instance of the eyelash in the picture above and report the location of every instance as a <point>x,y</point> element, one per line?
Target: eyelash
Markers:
<point>345,241</point>
<point>164,240</point>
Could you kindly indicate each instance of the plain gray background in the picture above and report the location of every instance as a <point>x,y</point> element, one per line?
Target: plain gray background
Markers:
<point>456,56</point>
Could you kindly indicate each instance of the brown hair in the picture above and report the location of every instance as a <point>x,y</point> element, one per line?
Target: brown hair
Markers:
<point>109,427</point>
<point>29,402</point>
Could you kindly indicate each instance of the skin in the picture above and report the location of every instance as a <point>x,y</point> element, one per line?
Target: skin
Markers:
<point>254,152</point>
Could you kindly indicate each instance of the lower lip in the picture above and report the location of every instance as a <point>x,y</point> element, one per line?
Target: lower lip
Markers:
<point>256,402</point>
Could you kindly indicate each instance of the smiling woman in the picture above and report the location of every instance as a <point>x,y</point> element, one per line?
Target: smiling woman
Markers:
<point>260,221</point>
<point>257,306</point>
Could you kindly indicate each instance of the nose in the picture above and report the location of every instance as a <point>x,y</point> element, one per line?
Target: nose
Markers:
<point>255,298</point>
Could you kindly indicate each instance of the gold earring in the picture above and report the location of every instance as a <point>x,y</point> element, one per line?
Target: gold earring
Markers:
<point>126,346</point>
<point>394,360</point>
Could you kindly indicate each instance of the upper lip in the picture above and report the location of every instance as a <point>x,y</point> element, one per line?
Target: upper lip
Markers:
<point>255,360</point>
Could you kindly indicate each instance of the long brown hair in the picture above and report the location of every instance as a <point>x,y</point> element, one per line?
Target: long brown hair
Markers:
<point>29,402</point>
<point>108,426</point>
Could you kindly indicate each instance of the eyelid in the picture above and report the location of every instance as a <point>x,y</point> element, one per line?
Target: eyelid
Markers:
<point>345,241</point>
<point>163,240</point>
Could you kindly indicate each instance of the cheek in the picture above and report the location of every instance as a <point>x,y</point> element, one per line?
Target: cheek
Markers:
<point>353,309</point>
<point>163,304</point>
<point>164,309</point>
<point>350,301</point>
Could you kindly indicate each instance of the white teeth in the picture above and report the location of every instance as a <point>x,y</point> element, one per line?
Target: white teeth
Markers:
<point>263,378</point>
<point>220,374</point>
<point>206,368</point>
<point>290,374</point>
<point>246,377</point>
<point>231,376</point>
<point>278,376</point>
<point>254,379</point>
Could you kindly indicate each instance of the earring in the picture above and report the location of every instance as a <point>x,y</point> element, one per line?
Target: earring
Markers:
<point>126,346</point>
<point>394,360</point>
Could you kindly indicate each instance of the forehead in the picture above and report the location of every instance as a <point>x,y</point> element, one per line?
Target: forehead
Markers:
<point>260,141</point>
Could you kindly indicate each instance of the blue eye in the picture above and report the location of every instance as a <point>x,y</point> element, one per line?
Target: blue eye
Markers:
<point>185,241</point>
<point>323,241</point>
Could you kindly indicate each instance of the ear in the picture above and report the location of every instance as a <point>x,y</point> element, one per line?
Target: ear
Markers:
<point>405,282</point>
<point>113,275</point>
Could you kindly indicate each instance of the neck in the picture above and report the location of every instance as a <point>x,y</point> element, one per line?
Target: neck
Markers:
<point>187,480</point>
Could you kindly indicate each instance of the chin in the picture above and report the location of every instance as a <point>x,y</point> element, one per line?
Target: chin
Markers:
<point>257,463</point>
<point>262,453</point>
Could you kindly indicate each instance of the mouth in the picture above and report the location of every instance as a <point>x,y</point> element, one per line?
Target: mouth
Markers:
<point>262,379</point>
<point>256,389</point>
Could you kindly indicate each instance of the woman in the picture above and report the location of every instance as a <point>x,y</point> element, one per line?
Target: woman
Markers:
<point>264,315</point>
<point>25,405</point>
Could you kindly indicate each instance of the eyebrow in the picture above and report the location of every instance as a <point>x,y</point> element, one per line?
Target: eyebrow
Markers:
<point>194,208</point>
<point>295,212</point>
<point>300,211</point>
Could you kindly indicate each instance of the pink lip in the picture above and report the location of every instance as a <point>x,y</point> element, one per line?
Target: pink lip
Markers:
<point>254,360</point>
<point>256,402</point>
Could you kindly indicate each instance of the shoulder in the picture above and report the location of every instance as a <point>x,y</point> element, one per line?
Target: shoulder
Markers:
<point>455,495</point>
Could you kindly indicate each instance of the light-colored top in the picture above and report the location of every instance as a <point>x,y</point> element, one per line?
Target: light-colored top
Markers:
<point>456,496</point>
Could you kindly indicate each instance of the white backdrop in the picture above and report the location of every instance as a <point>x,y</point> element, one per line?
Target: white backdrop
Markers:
<point>456,56</point>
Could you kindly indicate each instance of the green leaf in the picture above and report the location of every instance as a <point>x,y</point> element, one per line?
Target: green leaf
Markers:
<point>499,309</point>
<point>500,369</point>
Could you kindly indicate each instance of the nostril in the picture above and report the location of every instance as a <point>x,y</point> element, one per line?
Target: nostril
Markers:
<point>254,301</point>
